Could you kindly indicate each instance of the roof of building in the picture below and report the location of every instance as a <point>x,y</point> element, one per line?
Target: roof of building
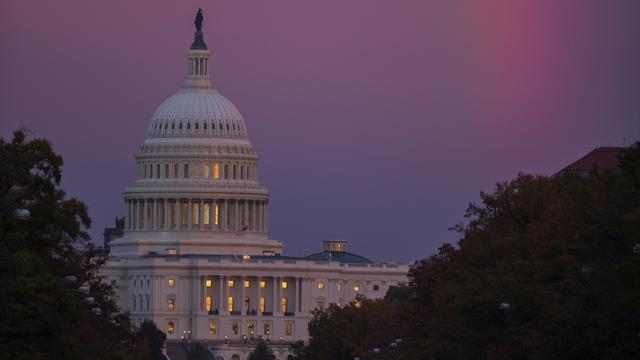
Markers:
<point>602,158</point>
<point>344,257</point>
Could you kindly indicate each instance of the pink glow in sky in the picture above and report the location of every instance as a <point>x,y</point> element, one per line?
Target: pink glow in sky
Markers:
<point>376,121</point>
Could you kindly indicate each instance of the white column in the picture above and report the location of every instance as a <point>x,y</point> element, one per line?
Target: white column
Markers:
<point>242,312</point>
<point>222,301</point>
<point>235,216</point>
<point>260,219</point>
<point>201,214</point>
<point>178,214</point>
<point>258,299</point>
<point>295,296</point>
<point>155,214</point>
<point>276,283</point>
<point>167,219</point>
<point>190,213</point>
<point>266,216</point>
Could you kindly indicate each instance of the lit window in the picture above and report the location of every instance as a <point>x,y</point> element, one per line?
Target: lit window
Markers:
<point>230,304</point>
<point>230,283</point>
<point>339,287</point>
<point>217,220</point>
<point>357,303</point>
<point>356,287</point>
<point>289,329</point>
<point>196,214</point>
<point>251,328</point>
<point>170,328</point>
<point>246,258</point>
<point>205,171</point>
<point>212,327</point>
<point>171,282</point>
<point>209,283</point>
<point>283,304</point>
<point>284,284</point>
<point>247,283</point>
<point>262,304</point>
<point>205,214</point>
<point>171,304</point>
<point>234,328</point>
<point>267,329</point>
<point>263,283</point>
<point>207,302</point>
<point>216,171</point>
<point>320,285</point>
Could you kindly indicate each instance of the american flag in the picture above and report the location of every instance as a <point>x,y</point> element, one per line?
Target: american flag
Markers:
<point>242,230</point>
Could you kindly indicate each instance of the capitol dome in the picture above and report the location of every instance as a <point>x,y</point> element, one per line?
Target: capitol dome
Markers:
<point>197,113</point>
<point>196,189</point>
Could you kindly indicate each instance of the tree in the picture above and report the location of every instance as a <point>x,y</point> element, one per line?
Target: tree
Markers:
<point>261,352</point>
<point>197,352</point>
<point>544,270</point>
<point>43,315</point>
<point>353,330</point>
<point>153,337</point>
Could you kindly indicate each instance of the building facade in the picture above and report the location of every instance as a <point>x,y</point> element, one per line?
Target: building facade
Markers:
<point>196,256</point>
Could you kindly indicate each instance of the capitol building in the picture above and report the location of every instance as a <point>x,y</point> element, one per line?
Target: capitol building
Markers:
<point>196,256</point>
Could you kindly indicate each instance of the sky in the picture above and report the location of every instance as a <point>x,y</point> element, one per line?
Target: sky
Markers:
<point>375,121</point>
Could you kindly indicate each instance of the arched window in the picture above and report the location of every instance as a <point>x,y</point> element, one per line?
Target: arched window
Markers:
<point>205,170</point>
<point>171,304</point>
<point>186,171</point>
<point>134,303</point>
<point>173,126</point>
<point>151,171</point>
<point>196,126</point>
<point>165,125</point>
<point>175,170</point>
<point>208,303</point>
<point>220,126</point>
<point>145,171</point>
<point>188,125</point>
<point>205,214</point>
<point>248,176</point>
<point>158,171</point>
<point>233,126</point>
<point>261,304</point>
<point>234,172</point>
<point>283,304</point>
<point>205,125</point>
<point>148,302</point>
<point>216,171</point>
<point>230,304</point>
<point>241,172</point>
<point>226,171</point>
<point>166,170</point>
<point>180,126</point>
<point>227,127</point>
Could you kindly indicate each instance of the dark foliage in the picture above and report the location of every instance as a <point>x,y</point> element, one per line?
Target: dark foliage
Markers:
<point>261,352</point>
<point>43,317</point>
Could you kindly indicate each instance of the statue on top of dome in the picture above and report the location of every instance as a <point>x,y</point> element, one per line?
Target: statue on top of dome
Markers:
<point>198,41</point>
<point>198,20</point>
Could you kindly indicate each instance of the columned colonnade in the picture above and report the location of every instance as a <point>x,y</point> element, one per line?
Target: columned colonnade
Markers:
<point>184,213</point>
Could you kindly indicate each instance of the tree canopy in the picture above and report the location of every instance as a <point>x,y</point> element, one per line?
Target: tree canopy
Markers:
<point>545,269</point>
<point>44,260</point>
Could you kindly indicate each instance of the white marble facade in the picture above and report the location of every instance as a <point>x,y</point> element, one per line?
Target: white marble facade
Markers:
<point>196,256</point>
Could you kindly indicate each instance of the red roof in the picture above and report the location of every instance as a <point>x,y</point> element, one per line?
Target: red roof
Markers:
<point>602,158</point>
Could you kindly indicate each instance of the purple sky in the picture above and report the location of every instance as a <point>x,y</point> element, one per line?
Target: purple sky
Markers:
<point>376,121</point>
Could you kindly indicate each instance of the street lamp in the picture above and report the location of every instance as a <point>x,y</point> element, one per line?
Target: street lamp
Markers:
<point>22,214</point>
